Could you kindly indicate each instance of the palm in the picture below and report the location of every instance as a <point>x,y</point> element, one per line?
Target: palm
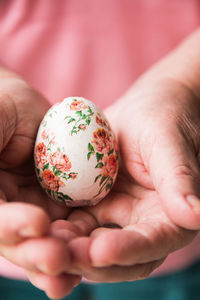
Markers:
<point>129,234</point>
<point>134,207</point>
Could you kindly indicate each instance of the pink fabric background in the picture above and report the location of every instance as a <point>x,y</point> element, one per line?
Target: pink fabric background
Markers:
<point>95,49</point>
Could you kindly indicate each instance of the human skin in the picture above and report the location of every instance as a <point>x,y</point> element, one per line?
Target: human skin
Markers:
<point>154,207</point>
<point>155,198</point>
<point>25,211</point>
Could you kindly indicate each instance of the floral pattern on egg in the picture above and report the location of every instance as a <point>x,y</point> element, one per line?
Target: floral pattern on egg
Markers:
<point>82,118</point>
<point>104,147</point>
<point>76,153</point>
<point>52,168</point>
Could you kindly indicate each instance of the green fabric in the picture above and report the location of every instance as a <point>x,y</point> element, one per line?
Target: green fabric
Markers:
<point>184,285</point>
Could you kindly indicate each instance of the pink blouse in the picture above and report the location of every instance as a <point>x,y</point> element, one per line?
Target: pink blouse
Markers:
<point>95,49</point>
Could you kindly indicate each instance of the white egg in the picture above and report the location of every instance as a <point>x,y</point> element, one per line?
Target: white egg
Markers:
<point>76,153</point>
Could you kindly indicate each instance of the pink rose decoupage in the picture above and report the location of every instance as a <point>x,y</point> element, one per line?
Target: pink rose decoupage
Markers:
<point>76,153</point>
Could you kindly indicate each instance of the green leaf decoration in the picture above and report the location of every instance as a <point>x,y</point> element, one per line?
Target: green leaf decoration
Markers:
<point>90,110</point>
<point>111,180</point>
<point>89,154</point>
<point>98,176</point>
<point>99,156</point>
<point>60,196</point>
<point>67,197</point>
<point>111,151</point>
<point>57,172</point>
<point>99,165</point>
<point>90,147</point>
<point>46,166</point>
<point>102,179</point>
<point>88,120</point>
<point>108,186</point>
<point>71,120</point>
<point>84,116</point>
<point>79,113</point>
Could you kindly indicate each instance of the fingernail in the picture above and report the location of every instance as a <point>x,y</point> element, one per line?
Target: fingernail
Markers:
<point>194,202</point>
<point>27,232</point>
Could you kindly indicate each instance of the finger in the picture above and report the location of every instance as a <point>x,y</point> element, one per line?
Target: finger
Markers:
<point>64,230</point>
<point>136,244</point>
<point>79,223</point>
<point>111,273</point>
<point>83,220</point>
<point>49,255</point>
<point>176,176</point>
<point>95,233</point>
<point>119,274</point>
<point>54,286</point>
<point>20,220</point>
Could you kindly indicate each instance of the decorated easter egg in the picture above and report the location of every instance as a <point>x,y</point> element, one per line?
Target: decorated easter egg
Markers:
<point>75,153</point>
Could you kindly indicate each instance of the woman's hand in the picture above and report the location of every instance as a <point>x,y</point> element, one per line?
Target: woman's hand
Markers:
<point>153,208</point>
<point>159,140</point>
<point>25,210</point>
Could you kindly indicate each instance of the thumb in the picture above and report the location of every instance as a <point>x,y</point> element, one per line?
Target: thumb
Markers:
<point>174,169</point>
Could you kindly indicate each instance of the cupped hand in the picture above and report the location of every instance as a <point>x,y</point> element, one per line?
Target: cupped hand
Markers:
<point>25,210</point>
<point>159,138</point>
<point>123,238</point>
<point>154,207</point>
<point>21,110</point>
